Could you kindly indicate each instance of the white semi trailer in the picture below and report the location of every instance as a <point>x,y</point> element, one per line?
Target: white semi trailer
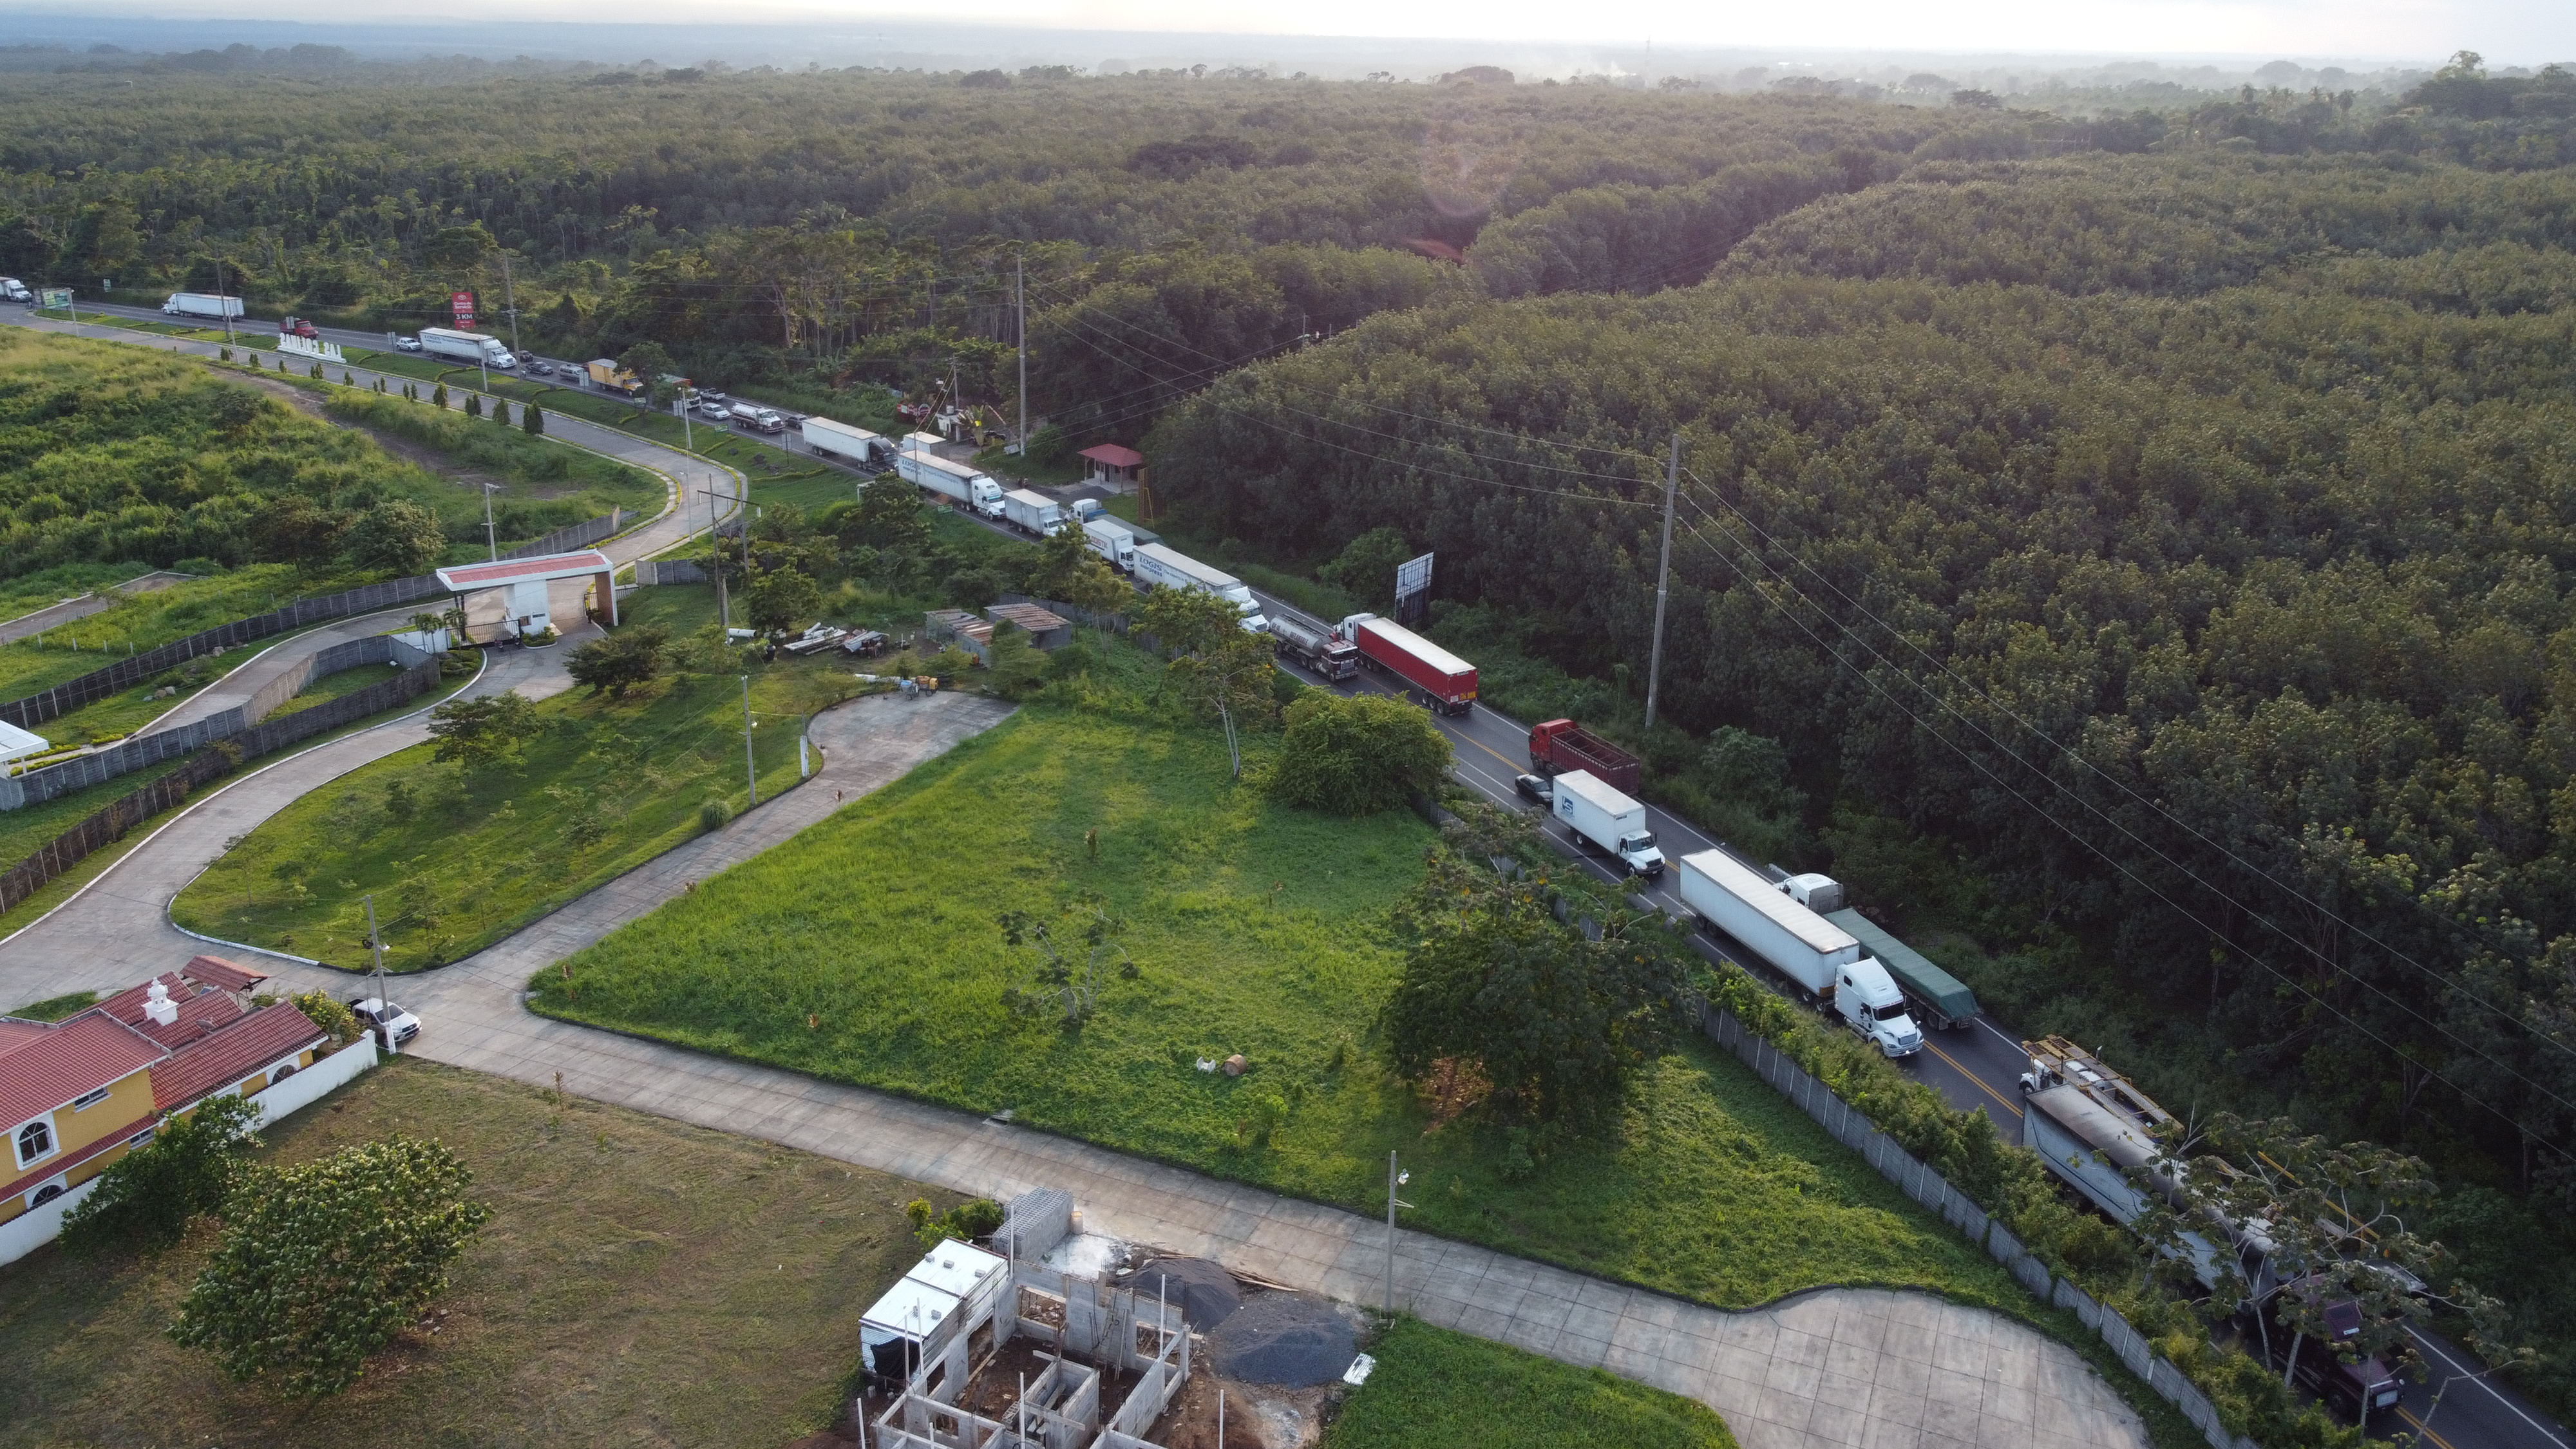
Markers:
<point>1032,512</point>
<point>202,304</point>
<point>1112,540</point>
<point>840,440</point>
<point>1161,566</point>
<point>1822,958</point>
<point>476,347</point>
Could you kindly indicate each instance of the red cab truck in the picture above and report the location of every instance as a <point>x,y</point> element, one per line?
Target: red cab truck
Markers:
<point>1448,681</point>
<point>1560,746</point>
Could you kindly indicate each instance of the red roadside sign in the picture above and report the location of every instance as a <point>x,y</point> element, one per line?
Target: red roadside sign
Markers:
<point>462,303</point>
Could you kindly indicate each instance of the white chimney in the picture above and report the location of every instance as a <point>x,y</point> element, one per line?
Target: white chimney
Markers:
<point>158,1007</point>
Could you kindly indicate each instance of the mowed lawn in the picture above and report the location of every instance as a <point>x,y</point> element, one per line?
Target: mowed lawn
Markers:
<point>867,951</point>
<point>1433,1387</point>
<point>641,1282</point>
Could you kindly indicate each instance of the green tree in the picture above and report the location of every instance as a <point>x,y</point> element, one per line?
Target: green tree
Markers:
<point>1555,1022</point>
<point>105,236</point>
<point>147,1198</point>
<point>398,536</point>
<point>501,411</point>
<point>650,364</point>
<point>325,1262</point>
<point>438,396</point>
<point>479,733</point>
<point>622,660</point>
<point>532,420</point>
<point>322,1009</point>
<point>474,405</point>
<point>1366,567</point>
<point>1219,666</point>
<point>782,600</point>
<point>1012,665</point>
<point>1359,754</point>
<point>296,530</point>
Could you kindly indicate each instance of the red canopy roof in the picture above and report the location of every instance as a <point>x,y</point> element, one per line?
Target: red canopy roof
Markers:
<point>1115,456</point>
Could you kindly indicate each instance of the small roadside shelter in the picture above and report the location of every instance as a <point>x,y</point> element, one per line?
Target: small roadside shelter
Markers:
<point>1112,463</point>
<point>526,580</point>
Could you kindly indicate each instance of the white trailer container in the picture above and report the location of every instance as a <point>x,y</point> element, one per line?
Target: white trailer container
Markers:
<point>1728,895</point>
<point>1595,813</point>
<point>202,304</point>
<point>476,347</point>
<point>1113,541</point>
<point>958,482</point>
<point>840,440</point>
<point>1032,512</point>
<point>1161,566</point>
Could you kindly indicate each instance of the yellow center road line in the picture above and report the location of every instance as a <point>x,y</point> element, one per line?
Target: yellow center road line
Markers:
<point>2009,1104</point>
<point>2409,1416</point>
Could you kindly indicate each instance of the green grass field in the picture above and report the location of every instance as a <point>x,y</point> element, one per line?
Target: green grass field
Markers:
<point>607,786</point>
<point>642,1282</point>
<point>147,621</point>
<point>1433,1388</point>
<point>867,952</point>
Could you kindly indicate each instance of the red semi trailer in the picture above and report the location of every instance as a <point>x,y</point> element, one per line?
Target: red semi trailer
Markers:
<point>1449,681</point>
<point>1558,746</point>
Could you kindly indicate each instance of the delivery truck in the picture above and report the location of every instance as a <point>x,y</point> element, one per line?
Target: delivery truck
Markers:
<point>202,304</point>
<point>1559,745</point>
<point>1315,646</point>
<point>1160,566</point>
<point>840,440</point>
<point>1032,512</point>
<point>1597,815</point>
<point>960,483</point>
<point>1942,1000</point>
<point>1447,681</point>
<point>604,372</point>
<point>479,348</point>
<point>1112,540</point>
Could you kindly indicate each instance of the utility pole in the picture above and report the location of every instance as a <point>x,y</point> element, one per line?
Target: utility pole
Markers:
<point>490,539</point>
<point>220,304</point>
<point>1663,582</point>
<point>384,1005</point>
<point>715,557</point>
<point>510,302</point>
<point>750,771</point>
<point>1394,1180</point>
<point>1020,294</point>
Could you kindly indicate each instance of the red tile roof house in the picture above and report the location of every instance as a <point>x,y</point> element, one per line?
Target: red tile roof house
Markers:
<point>77,1094</point>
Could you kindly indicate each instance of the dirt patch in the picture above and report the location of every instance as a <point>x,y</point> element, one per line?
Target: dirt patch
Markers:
<point>1190,1421</point>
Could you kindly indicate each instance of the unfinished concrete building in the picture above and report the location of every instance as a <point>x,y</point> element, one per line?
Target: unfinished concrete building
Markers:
<point>1102,1363</point>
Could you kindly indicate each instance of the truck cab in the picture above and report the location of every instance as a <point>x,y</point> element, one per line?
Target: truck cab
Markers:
<point>299,327</point>
<point>1642,855</point>
<point>2352,1391</point>
<point>1821,894</point>
<point>1866,999</point>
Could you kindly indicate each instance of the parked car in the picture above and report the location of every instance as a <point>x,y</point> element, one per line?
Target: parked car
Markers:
<point>378,1016</point>
<point>406,344</point>
<point>1535,787</point>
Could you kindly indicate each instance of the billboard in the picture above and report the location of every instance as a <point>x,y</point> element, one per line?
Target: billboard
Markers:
<point>462,304</point>
<point>57,299</point>
<point>1413,590</point>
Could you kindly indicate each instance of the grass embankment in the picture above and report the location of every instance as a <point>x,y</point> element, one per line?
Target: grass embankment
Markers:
<point>641,1282</point>
<point>548,484</point>
<point>149,620</point>
<point>457,861</point>
<point>1433,1387</point>
<point>867,952</point>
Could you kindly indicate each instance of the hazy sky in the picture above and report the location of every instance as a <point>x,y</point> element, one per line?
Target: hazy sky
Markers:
<point>2507,32</point>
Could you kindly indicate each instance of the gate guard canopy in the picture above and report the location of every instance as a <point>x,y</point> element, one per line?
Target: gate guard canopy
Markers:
<point>526,579</point>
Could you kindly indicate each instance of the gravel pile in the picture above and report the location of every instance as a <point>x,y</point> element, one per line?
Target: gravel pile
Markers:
<point>1288,1339</point>
<point>1206,1293</point>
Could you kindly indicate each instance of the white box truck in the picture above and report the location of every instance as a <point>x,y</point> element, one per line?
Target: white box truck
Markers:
<point>840,440</point>
<point>480,348</point>
<point>1032,512</point>
<point>1113,541</point>
<point>957,482</point>
<point>1596,814</point>
<point>202,304</point>
<point>1161,566</point>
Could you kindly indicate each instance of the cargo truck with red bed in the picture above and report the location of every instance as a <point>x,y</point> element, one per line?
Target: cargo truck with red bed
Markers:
<point>1560,746</point>
<point>1447,680</point>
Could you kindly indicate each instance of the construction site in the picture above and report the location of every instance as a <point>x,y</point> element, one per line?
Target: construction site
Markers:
<point>1054,1339</point>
